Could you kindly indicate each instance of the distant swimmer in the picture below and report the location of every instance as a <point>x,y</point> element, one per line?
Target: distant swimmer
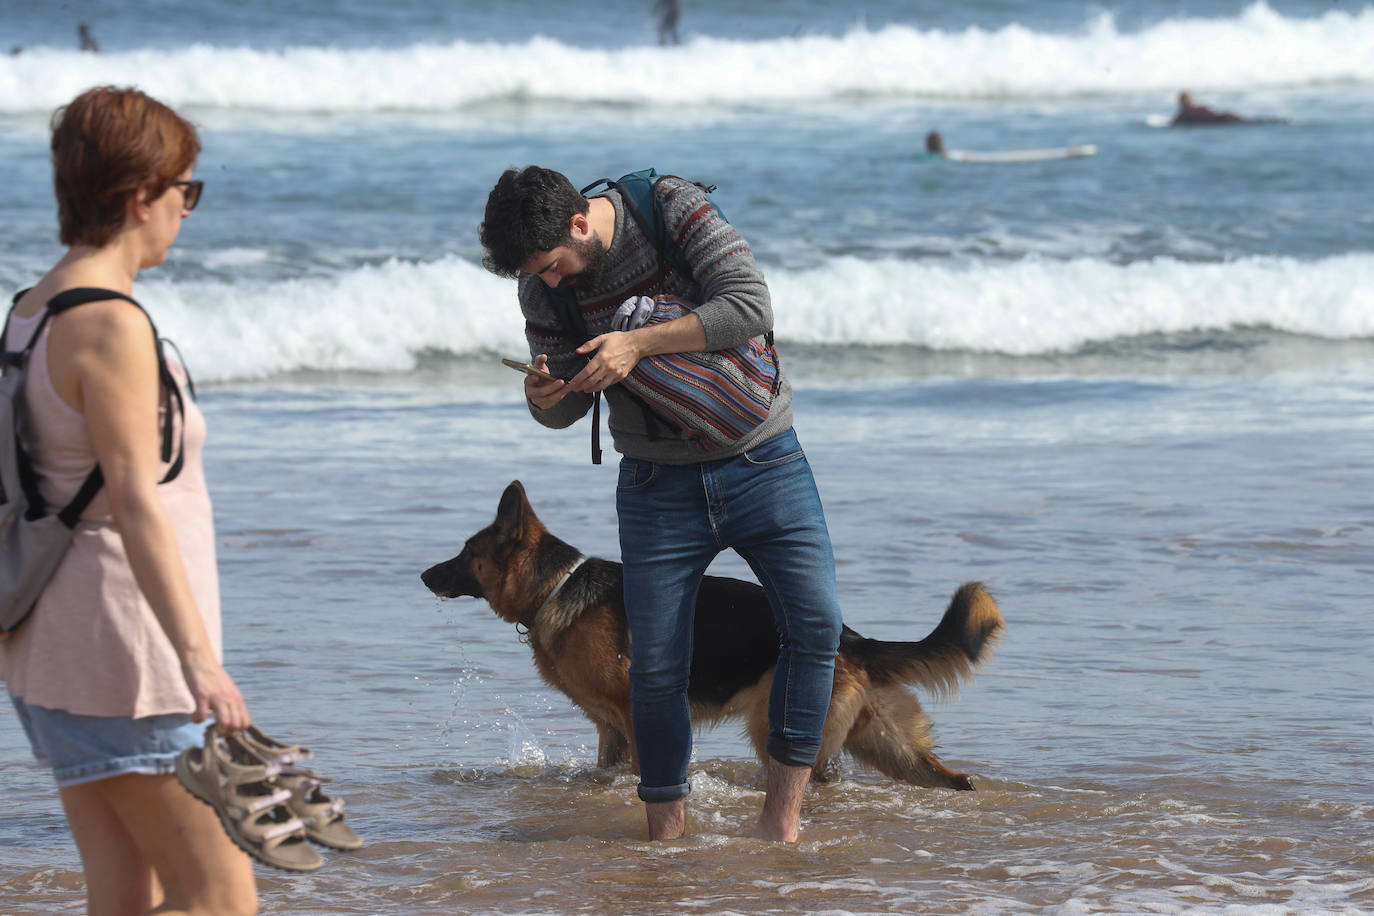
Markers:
<point>1189,115</point>
<point>88,43</point>
<point>935,146</point>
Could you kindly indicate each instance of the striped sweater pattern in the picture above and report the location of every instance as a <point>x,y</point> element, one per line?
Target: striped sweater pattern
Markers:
<point>732,299</point>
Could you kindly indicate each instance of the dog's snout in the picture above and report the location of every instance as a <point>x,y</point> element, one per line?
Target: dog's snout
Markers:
<point>430,578</point>
<point>452,579</point>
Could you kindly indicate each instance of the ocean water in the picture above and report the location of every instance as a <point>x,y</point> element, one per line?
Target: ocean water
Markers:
<point>1128,392</point>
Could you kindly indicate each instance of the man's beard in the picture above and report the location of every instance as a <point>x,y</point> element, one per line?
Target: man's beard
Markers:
<point>593,256</point>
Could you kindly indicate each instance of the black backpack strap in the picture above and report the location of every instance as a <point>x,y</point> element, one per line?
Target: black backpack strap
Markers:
<point>574,324</point>
<point>18,357</point>
<point>5,334</point>
<point>190,383</point>
<point>36,507</point>
<point>72,513</point>
<point>28,477</point>
<point>596,428</point>
<point>570,319</point>
<point>171,391</point>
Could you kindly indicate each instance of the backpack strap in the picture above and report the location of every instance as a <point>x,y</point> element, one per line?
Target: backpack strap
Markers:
<point>36,508</point>
<point>570,318</point>
<point>572,321</point>
<point>171,392</point>
<point>70,515</point>
<point>639,192</point>
<point>18,357</point>
<point>7,358</point>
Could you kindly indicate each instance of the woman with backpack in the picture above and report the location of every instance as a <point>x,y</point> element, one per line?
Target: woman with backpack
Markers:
<point>120,657</point>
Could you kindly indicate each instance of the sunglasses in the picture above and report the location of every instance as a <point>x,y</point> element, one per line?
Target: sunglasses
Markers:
<point>190,193</point>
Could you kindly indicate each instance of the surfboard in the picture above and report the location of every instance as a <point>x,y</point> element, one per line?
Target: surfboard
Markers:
<point>1023,155</point>
<point>1167,120</point>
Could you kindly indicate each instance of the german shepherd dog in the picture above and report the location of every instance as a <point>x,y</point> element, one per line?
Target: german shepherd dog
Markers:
<point>577,630</point>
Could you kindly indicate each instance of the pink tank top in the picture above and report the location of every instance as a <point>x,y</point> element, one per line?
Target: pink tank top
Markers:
<point>92,644</point>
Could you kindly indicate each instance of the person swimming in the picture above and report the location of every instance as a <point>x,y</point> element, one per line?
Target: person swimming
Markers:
<point>1189,114</point>
<point>935,146</point>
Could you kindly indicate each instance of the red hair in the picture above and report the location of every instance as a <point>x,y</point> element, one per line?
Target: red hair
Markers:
<point>106,145</point>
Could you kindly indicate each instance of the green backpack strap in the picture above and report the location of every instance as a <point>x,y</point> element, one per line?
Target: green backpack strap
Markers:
<point>639,190</point>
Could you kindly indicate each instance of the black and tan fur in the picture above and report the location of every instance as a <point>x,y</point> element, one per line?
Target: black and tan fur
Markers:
<point>581,647</point>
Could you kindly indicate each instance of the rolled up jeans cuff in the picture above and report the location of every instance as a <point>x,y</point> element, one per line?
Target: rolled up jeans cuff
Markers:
<point>792,754</point>
<point>654,794</point>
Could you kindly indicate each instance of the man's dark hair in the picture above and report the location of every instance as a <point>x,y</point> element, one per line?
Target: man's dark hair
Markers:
<point>527,212</point>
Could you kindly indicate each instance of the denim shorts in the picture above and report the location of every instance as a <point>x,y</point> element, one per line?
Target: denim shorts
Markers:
<point>82,749</point>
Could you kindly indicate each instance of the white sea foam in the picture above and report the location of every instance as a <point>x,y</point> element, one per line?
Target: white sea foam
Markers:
<point>382,318</point>
<point>1040,306</point>
<point>1258,48</point>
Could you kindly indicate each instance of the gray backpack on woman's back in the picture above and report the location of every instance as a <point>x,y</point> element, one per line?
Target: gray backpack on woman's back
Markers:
<point>33,538</point>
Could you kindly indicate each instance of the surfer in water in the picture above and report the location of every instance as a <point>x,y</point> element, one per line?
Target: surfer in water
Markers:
<point>1189,114</point>
<point>935,146</point>
<point>936,150</point>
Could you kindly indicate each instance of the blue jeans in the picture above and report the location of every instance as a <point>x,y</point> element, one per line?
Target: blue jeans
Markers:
<point>674,520</point>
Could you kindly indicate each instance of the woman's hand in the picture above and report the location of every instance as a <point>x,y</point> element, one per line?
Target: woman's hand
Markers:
<point>214,692</point>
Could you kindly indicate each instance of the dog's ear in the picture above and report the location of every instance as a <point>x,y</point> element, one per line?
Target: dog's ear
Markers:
<point>510,515</point>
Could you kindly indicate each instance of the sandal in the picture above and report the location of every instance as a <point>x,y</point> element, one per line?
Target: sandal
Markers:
<point>322,815</point>
<point>270,750</point>
<point>226,776</point>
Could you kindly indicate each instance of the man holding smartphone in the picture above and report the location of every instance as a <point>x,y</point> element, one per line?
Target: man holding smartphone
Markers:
<point>677,507</point>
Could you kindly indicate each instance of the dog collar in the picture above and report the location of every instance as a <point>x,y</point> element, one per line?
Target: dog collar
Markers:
<point>559,587</point>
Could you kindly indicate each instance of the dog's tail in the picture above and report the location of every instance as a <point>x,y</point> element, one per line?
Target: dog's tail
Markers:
<point>945,658</point>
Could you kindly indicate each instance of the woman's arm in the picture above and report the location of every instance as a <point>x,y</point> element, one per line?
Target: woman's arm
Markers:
<point>110,347</point>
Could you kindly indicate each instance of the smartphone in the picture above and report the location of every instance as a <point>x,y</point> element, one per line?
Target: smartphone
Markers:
<point>528,369</point>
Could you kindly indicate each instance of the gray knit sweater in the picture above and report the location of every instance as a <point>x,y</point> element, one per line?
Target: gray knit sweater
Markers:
<point>732,302</point>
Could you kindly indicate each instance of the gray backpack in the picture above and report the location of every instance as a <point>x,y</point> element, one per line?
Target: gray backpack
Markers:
<point>33,537</point>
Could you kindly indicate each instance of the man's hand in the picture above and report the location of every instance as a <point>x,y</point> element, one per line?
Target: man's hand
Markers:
<point>541,392</point>
<point>616,354</point>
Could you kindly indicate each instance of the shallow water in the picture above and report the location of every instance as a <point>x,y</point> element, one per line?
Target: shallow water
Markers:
<point>1178,719</point>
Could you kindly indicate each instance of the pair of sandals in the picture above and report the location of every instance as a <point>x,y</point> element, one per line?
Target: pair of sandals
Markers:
<point>269,804</point>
